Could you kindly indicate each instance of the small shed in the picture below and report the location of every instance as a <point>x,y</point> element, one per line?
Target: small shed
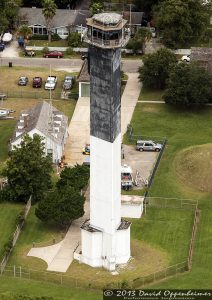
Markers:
<point>84,80</point>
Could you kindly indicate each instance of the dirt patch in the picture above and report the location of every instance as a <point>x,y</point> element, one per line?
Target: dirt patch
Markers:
<point>150,108</point>
<point>194,167</point>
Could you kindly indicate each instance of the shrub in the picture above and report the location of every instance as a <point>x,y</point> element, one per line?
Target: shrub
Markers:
<point>74,39</point>
<point>69,51</point>
<point>45,50</point>
<point>39,37</point>
<point>55,37</point>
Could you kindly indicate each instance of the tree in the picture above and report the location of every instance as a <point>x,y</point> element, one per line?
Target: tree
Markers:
<point>138,41</point>
<point>71,4</point>
<point>96,7</point>
<point>145,5</point>
<point>156,68</point>
<point>74,39</point>
<point>180,21</point>
<point>9,14</point>
<point>49,11</point>
<point>76,177</point>
<point>188,85</point>
<point>25,31</point>
<point>28,170</point>
<point>61,207</point>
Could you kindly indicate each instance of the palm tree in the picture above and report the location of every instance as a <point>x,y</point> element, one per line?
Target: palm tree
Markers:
<point>49,11</point>
<point>24,31</point>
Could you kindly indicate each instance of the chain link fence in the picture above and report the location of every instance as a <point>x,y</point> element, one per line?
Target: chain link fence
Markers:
<point>37,94</point>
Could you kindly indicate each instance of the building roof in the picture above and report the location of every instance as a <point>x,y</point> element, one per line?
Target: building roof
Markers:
<point>63,17</point>
<point>201,53</point>
<point>136,17</point>
<point>38,117</point>
<point>84,76</point>
<point>203,56</point>
<point>110,19</point>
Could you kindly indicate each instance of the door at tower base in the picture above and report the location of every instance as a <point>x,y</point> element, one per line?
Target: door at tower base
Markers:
<point>95,247</point>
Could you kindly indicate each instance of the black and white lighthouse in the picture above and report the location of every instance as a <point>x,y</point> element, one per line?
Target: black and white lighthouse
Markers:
<point>105,237</point>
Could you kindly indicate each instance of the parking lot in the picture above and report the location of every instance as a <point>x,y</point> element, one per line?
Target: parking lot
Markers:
<point>143,162</point>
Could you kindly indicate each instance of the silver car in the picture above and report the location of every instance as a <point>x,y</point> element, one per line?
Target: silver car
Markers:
<point>147,146</point>
<point>68,82</point>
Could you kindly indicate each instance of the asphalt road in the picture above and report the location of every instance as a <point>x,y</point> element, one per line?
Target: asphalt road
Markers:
<point>130,66</point>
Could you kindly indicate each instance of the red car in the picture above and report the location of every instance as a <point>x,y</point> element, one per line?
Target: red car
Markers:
<point>55,54</point>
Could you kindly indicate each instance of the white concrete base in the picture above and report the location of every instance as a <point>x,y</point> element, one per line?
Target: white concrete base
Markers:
<point>97,246</point>
<point>131,206</point>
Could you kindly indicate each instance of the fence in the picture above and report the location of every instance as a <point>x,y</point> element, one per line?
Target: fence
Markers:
<point>163,141</point>
<point>36,94</point>
<point>15,236</point>
<point>193,236</point>
<point>65,280</point>
<point>175,203</point>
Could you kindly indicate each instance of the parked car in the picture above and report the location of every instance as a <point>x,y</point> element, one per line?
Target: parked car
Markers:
<point>86,149</point>
<point>186,58</point>
<point>23,80</point>
<point>2,46</point>
<point>37,82</point>
<point>29,52</point>
<point>55,54</point>
<point>84,56</point>
<point>147,146</point>
<point>51,82</point>
<point>68,82</point>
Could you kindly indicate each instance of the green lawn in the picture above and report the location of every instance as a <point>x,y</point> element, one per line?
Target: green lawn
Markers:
<point>38,233</point>
<point>13,286</point>
<point>153,247</point>
<point>45,43</point>
<point>151,95</point>
<point>183,129</point>
<point>6,131</point>
<point>166,229</point>
<point>8,214</point>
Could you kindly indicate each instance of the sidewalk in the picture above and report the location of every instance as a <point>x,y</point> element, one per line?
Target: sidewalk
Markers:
<point>60,256</point>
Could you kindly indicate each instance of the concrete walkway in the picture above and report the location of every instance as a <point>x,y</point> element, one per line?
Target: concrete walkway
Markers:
<point>60,256</point>
<point>79,132</point>
<point>79,128</point>
<point>10,50</point>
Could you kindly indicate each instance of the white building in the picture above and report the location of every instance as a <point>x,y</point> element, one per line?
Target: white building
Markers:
<point>46,121</point>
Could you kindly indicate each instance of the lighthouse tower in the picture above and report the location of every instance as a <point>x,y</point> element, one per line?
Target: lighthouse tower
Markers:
<point>105,237</point>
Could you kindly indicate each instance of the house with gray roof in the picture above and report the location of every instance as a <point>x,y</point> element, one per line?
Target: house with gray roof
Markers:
<point>64,21</point>
<point>46,121</point>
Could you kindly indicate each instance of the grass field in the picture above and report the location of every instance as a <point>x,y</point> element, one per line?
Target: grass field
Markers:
<point>183,129</point>
<point>153,246</point>
<point>45,43</point>
<point>9,82</point>
<point>14,286</point>
<point>8,214</point>
<point>151,95</point>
